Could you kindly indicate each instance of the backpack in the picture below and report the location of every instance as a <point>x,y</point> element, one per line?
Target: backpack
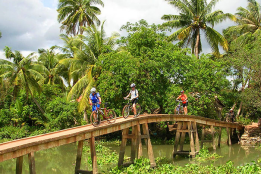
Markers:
<point>135,92</point>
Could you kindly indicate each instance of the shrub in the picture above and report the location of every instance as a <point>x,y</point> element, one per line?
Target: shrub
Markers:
<point>62,114</point>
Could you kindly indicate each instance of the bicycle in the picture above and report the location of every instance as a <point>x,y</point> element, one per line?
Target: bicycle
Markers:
<point>108,114</point>
<point>128,107</point>
<point>230,118</point>
<point>179,108</point>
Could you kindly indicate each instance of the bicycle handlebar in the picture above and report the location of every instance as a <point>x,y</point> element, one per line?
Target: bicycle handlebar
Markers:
<point>128,99</point>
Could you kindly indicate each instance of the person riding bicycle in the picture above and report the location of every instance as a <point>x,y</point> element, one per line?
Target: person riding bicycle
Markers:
<point>183,97</point>
<point>134,97</point>
<point>94,97</point>
<point>231,115</point>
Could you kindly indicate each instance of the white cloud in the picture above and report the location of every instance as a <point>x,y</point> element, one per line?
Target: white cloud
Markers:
<point>27,25</point>
<point>32,24</point>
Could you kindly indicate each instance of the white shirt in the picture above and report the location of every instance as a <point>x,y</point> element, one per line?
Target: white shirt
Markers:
<point>134,93</point>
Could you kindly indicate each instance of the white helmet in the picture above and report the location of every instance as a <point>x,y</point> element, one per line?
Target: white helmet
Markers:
<point>93,90</point>
<point>132,85</point>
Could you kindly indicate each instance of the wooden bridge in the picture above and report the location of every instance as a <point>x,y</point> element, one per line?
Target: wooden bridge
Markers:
<point>185,124</point>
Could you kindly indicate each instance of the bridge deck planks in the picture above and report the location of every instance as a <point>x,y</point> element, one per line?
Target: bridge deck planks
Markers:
<point>20,147</point>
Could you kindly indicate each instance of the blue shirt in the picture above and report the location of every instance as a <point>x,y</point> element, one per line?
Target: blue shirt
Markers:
<point>94,98</point>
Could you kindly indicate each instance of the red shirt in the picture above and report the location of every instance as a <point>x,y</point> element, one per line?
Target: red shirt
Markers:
<point>183,98</point>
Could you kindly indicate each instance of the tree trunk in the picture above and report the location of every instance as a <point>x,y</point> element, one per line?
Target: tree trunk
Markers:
<point>239,109</point>
<point>197,43</point>
<point>37,104</point>
<point>85,116</point>
<point>233,107</point>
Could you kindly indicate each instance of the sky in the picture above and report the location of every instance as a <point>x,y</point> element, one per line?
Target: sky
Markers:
<point>28,25</point>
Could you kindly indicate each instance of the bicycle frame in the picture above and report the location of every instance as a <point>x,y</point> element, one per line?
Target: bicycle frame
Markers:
<point>179,107</point>
<point>130,104</point>
<point>104,114</point>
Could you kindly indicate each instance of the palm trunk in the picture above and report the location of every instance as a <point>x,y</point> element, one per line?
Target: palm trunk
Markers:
<point>233,107</point>
<point>85,116</point>
<point>239,109</point>
<point>197,43</point>
<point>37,104</point>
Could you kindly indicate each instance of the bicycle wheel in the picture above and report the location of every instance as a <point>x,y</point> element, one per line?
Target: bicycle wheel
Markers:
<point>111,116</point>
<point>125,111</point>
<point>95,118</point>
<point>138,109</point>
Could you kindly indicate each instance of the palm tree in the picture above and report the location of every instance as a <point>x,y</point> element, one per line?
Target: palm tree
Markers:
<point>52,71</point>
<point>70,50</point>
<point>249,23</point>
<point>21,72</point>
<point>91,45</point>
<point>78,13</point>
<point>195,16</point>
<point>247,32</point>
<point>0,34</point>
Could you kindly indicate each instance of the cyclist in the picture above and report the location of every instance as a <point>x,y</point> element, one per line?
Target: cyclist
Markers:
<point>231,115</point>
<point>184,101</point>
<point>134,97</point>
<point>94,97</point>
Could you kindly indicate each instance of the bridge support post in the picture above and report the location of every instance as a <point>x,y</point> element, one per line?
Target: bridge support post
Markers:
<point>133,144</point>
<point>202,136</point>
<point>125,133</point>
<point>31,160</point>
<point>219,136</point>
<point>213,137</point>
<point>79,157</point>
<point>229,133</point>
<point>136,145</point>
<point>184,127</point>
<point>93,154</point>
<point>19,165</point>
<point>149,145</point>
<point>196,136</point>
<point>139,142</point>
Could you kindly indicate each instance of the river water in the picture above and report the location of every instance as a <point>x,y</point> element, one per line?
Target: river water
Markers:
<point>61,160</point>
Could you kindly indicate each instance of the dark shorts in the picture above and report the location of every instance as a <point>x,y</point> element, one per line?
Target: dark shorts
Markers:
<point>135,101</point>
<point>185,104</point>
<point>95,106</point>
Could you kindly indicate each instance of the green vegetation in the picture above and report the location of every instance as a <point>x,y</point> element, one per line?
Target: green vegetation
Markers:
<point>195,16</point>
<point>249,23</point>
<point>205,155</point>
<point>38,92</point>
<point>76,14</point>
<point>143,166</point>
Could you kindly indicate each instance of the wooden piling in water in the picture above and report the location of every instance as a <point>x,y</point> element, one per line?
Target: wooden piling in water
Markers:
<point>219,136</point>
<point>139,142</point>
<point>93,154</point>
<point>148,145</point>
<point>79,156</point>
<point>213,137</point>
<point>31,160</point>
<point>183,128</point>
<point>19,165</point>
<point>123,147</point>
<point>136,145</point>
<point>229,130</point>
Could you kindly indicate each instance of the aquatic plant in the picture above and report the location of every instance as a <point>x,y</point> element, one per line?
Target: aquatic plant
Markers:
<point>205,155</point>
